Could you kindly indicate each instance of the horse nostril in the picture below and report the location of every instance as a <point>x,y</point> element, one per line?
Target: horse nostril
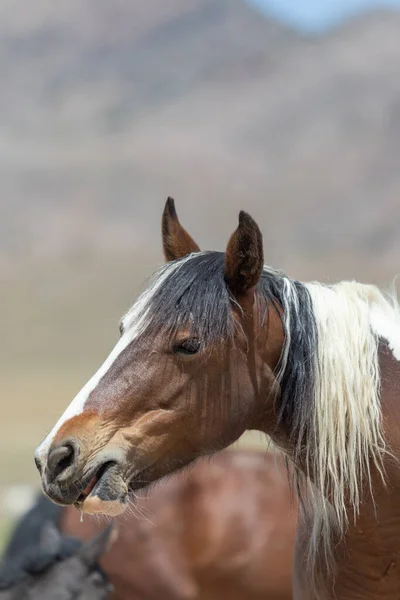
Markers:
<point>60,459</point>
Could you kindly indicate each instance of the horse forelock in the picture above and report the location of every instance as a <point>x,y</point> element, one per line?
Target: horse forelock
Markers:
<point>187,293</point>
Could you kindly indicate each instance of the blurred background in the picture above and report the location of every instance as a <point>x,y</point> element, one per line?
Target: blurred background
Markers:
<point>289,109</point>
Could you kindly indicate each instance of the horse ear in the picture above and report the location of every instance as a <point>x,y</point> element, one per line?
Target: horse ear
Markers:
<point>244,257</point>
<point>91,551</point>
<point>177,243</point>
<point>50,538</point>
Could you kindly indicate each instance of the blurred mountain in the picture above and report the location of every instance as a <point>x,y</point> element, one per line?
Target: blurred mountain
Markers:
<point>85,81</point>
<point>108,107</point>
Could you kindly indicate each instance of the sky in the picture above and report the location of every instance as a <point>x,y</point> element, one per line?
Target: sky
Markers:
<point>318,16</point>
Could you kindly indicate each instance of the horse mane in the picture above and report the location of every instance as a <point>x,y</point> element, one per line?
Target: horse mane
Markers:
<point>330,400</point>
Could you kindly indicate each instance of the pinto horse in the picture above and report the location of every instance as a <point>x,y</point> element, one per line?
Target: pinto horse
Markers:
<point>219,344</point>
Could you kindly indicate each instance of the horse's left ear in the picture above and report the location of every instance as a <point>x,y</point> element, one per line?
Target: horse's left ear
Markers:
<point>177,243</point>
<point>244,257</point>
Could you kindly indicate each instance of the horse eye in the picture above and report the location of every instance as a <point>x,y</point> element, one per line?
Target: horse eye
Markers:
<point>121,329</point>
<point>188,347</point>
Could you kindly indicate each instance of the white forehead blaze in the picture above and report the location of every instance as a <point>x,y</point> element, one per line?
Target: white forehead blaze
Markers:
<point>134,323</point>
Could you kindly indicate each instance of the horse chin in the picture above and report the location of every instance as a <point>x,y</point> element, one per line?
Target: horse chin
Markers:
<point>95,505</point>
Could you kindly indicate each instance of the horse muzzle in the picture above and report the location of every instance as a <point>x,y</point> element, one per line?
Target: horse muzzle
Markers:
<point>97,486</point>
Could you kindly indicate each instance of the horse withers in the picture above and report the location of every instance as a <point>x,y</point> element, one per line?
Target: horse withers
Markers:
<point>218,344</point>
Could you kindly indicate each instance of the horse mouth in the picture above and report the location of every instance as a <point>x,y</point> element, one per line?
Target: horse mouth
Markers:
<point>96,482</point>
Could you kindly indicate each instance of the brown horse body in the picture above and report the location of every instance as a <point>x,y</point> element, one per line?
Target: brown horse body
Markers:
<point>223,530</point>
<point>220,344</point>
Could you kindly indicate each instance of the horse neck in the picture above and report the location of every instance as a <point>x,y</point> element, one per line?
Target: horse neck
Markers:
<point>325,341</point>
<point>366,552</point>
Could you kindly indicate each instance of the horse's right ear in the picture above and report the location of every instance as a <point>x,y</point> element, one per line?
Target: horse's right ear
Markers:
<point>244,257</point>
<point>177,243</point>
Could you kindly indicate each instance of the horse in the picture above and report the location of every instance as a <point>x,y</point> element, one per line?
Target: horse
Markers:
<point>219,344</point>
<point>224,530</point>
<point>56,567</point>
